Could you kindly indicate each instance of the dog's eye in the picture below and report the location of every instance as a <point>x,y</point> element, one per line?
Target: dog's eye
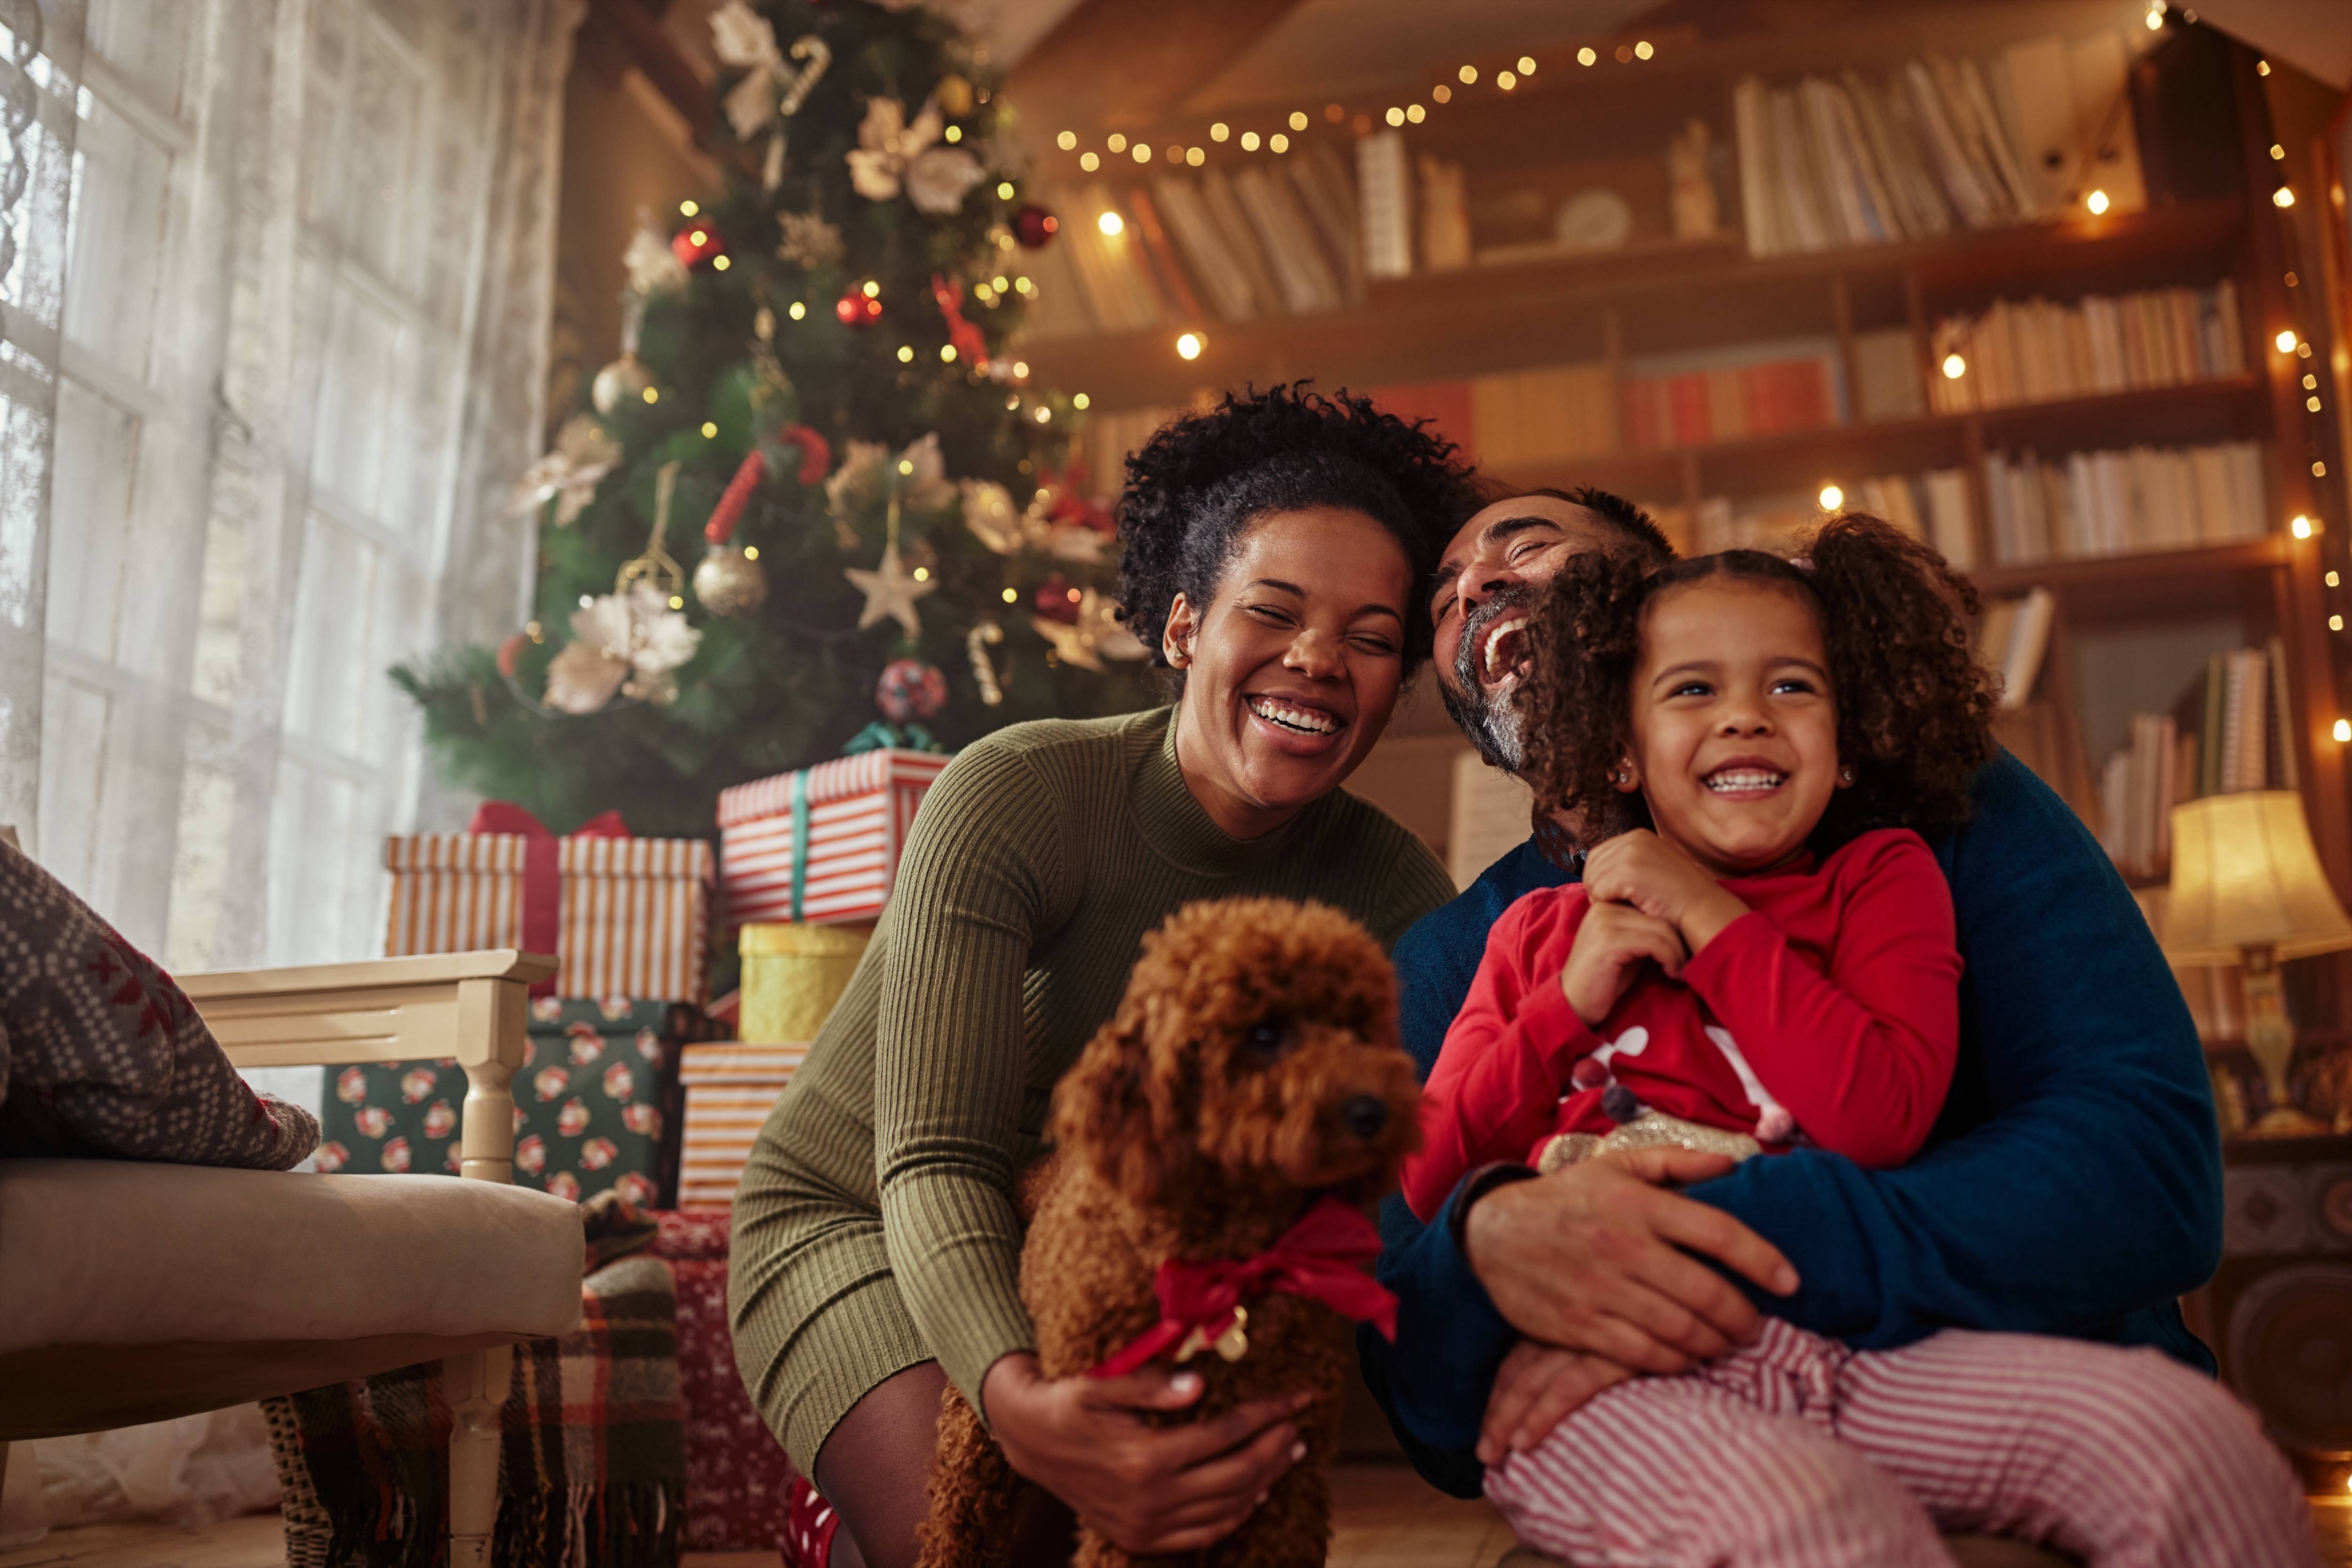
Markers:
<point>1268,1038</point>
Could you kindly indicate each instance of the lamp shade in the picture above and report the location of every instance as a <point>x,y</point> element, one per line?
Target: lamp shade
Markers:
<point>2244,874</point>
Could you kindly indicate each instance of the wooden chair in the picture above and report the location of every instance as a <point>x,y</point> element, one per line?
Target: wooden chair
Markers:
<point>88,1341</point>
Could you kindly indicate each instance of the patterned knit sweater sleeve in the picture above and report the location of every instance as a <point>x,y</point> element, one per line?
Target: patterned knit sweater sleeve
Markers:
<point>985,872</point>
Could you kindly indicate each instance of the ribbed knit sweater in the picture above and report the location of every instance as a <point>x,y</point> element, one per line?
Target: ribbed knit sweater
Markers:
<point>881,1187</point>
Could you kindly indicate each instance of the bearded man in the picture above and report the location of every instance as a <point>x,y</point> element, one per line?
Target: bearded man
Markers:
<point>2072,1186</point>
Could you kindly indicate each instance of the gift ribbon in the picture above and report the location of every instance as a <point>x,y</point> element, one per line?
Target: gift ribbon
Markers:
<point>1322,1257</point>
<point>542,869</point>
<point>800,838</point>
<point>881,734</point>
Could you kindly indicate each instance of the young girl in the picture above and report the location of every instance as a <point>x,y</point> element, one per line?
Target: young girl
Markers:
<point>1762,955</point>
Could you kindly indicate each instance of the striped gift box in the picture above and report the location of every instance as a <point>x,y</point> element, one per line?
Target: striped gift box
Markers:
<point>634,913</point>
<point>729,1089</point>
<point>859,808</point>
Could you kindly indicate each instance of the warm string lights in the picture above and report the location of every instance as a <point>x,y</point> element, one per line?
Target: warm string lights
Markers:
<point>1279,139</point>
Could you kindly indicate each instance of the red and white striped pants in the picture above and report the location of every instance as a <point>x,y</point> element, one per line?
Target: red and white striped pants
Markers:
<point>1797,1452</point>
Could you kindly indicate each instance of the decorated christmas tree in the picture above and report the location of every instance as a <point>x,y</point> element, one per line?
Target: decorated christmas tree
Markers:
<point>816,506</point>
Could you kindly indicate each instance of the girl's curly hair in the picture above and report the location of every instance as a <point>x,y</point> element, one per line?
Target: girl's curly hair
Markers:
<point>1195,487</point>
<point>1914,706</point>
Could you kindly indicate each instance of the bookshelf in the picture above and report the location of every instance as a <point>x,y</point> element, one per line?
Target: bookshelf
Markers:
<point>1657,299</point>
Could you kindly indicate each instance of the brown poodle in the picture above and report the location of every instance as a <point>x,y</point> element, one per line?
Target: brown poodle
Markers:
<point>1252,1070</point>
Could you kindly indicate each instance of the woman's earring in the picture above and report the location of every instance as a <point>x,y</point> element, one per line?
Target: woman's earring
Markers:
<point>1845,776</point>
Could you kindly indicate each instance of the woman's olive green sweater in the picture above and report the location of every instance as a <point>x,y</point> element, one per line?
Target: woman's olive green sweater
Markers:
<point>874,1228</point>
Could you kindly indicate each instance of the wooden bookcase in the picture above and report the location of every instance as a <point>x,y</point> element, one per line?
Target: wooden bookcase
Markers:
<point>1658,295</point>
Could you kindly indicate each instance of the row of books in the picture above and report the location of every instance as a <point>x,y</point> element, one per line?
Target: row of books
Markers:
<point>2122,502</point>
<point>1935,145</point>
<point>2230,733</point>
<point>1277,238</point>
<point>2032,351</point>
<point>1757,388</point>
<point>1933,507</point>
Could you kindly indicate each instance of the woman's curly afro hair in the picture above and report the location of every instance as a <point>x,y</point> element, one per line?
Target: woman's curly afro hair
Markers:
<point>1195,487</point>
<point>1914,706</point>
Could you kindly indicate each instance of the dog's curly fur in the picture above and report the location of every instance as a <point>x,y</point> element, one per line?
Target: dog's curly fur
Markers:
<point>1179,1132</point>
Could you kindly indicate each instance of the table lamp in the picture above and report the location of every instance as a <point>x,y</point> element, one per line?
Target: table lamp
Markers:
<point>2247,889</point>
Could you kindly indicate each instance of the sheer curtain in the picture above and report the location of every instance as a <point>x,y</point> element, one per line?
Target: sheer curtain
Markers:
<point>275,284</point>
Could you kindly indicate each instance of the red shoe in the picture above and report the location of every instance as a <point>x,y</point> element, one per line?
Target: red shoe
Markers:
<point>809,1524</point>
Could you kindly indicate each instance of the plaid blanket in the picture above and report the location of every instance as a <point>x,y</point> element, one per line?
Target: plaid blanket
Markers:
<point>591,1469</point>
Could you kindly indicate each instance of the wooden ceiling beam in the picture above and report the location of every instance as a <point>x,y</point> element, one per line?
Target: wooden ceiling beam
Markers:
<point>1117,64</point>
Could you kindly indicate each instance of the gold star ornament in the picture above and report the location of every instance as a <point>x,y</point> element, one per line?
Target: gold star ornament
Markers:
<point>890,590</point>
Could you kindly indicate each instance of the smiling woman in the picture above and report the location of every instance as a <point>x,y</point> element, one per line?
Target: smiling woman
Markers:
<point>1277,547</point>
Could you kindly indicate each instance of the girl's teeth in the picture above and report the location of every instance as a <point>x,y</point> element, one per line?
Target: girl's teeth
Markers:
<point>1743,780</point>
<point>1293,718</point>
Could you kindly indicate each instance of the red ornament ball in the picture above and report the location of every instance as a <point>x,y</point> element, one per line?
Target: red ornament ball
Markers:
<point>855,308</point>
<point>1057,600</point>
<point>1033,225</point>
<point>697,244</point>
<point>910,691</point>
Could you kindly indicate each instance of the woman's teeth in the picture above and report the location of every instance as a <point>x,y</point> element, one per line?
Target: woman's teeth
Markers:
<point>1303,720</point>
<point>1492,654</point>
<point>1734,779</point>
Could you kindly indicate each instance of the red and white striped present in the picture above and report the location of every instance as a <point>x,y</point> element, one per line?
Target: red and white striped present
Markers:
<point>729,1089</point>
<point>858,811</point>
<point>633,916</point>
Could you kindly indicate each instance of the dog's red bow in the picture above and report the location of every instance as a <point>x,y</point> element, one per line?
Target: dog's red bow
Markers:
<point>1321,1258</point>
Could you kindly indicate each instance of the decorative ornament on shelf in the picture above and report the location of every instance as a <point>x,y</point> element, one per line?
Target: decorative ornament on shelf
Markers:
<point>623,382</point>
<point>809,240</point>
<point>570,471</point>
<point>891,153</point>
<point>1033,225</point>
<point>855,308</point>
<point>696,242</point>
<point>976,643</point>
<point>1692,204</point>
<point>629,643</point>
<point>772,91</point>
<point>1096,633</point>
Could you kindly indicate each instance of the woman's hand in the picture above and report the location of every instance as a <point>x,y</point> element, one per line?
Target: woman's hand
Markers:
<point>1592,1259</point>
<point>1641,868</point>
<point>1611,944</point>
<point>1148,1489</point>
<point>1535,1388</point>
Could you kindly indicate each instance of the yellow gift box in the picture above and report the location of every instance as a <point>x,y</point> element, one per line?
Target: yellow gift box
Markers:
<point>793,974</point>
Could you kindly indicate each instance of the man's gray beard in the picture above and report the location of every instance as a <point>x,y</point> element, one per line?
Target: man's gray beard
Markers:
<point>1490,720</point>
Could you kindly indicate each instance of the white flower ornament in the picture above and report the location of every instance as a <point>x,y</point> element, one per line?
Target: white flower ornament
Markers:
<point>891,154</point>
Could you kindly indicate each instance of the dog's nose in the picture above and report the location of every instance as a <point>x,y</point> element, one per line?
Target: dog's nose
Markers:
<point>1365,1114</point>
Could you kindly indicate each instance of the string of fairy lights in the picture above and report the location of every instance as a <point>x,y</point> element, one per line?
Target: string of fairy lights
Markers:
<point>1278,137</point>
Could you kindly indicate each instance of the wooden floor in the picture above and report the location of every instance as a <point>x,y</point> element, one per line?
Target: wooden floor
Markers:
<point>1386,1519</point>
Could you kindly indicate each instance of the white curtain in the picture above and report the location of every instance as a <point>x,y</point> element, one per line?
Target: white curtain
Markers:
<point>276,278</point>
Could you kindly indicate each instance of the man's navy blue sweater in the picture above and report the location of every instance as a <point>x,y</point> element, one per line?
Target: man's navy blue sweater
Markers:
<point>2072,1185</point>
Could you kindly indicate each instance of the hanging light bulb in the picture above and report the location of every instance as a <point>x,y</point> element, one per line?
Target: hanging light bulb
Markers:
<point>1188,345</point>
<point>2097,201</point>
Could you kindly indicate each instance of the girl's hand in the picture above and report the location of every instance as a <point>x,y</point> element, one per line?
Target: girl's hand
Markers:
<point>1151,1491</point>
<point>1641,868</point>
<point>1613,943</point>
<point>1537,1387</point>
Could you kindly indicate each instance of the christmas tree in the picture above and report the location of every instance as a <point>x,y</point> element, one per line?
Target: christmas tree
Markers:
<point>816,508</point>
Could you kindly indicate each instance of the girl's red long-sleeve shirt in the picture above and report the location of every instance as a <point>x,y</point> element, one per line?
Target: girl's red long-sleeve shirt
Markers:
<point>1839,989</point>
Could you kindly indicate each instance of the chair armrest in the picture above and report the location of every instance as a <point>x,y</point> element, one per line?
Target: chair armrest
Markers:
<point>473,1008</point>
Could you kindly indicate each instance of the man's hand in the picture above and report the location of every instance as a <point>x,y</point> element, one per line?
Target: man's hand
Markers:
<point>1148,1489</point>
<point>1642,870</point>
<point>1611,944</point>
<point>1589,1258</point>
<point>1537,1387</point>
